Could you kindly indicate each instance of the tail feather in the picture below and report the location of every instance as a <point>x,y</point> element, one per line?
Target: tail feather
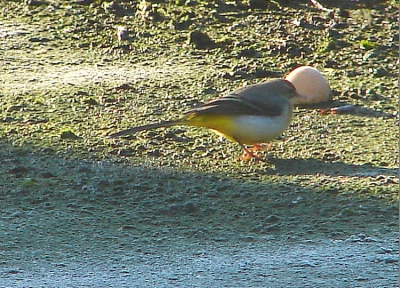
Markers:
<point>145,127</point>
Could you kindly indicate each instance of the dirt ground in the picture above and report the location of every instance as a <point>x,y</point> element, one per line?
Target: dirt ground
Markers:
<point>175,207</point>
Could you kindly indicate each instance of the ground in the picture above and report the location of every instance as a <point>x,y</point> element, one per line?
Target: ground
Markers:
<point>174,207</point>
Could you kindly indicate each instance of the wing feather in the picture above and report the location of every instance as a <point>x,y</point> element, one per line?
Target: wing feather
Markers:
<point>234,104</point>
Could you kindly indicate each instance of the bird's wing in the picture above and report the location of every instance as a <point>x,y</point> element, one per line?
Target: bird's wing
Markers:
<point>235,104</point>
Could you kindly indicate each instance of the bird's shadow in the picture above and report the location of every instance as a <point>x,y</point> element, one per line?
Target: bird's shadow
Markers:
<point>340,107</point>
<point>314,166</point>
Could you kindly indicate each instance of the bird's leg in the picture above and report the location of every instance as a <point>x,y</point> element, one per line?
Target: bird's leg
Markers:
<point>248,154</point>
<point>260,147</point>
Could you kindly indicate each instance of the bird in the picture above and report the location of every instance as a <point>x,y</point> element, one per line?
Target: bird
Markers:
<point>251,116</point>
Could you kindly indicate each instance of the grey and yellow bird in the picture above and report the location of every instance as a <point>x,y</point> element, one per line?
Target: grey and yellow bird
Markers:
<point>251,115</point>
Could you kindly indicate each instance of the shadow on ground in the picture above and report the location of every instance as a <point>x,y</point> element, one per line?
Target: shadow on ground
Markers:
<point>315,167</point>
<point>194,204</point>
<point>87,222</point>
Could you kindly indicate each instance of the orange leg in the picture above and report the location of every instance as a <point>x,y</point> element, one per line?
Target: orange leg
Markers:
<point>260,147</point>
<point>248,155</point>
<point>248,152</point>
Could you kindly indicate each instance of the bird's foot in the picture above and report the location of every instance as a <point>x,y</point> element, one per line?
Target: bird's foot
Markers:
<point>260,147</point>
<point>248,154</point>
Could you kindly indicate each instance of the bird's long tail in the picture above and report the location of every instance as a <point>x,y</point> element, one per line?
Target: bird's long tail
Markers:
<point>146,127</point>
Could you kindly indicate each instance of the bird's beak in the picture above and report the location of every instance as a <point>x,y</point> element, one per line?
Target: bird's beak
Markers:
<point>297,99</point>
<point>303,99</point>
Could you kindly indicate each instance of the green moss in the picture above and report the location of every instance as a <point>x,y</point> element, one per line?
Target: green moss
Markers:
<point>366,44</point>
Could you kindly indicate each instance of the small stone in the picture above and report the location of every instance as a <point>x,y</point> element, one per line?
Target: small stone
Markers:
<point>35,2</point>
<point>8,119</point>
<point>13,271</point>
<point>190,207</point>
<point>272,218</point>
<point>47,174</point>
<point>259,4</point>
<point>122,33</point>
<point>39,39</point>
<point>381,72</point>
<point>18,170</point>
<point>90,102</point>
<point>69,135</point>
<point>272,227</point>
<point>201,40</point>
<point>249,52</point>
<point>386,250</point>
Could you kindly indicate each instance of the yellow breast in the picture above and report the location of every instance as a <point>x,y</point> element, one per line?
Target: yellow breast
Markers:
<point>246,129</point>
